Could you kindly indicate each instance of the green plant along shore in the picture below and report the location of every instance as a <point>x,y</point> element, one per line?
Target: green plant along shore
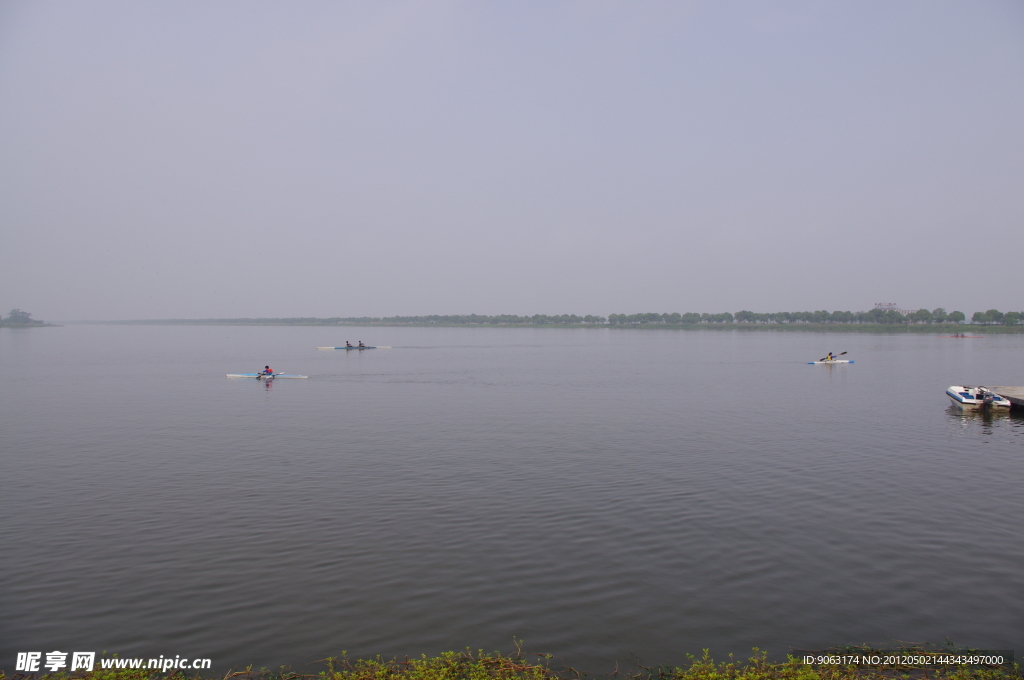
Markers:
<point>470,665</point>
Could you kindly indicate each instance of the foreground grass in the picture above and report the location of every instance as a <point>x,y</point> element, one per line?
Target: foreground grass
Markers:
<point>468,665</point>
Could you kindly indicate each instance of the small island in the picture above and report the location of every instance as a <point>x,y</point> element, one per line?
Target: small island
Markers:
<point>20,319</point>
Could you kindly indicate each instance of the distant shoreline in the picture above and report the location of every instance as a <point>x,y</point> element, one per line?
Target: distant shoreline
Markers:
<point>940,329</point>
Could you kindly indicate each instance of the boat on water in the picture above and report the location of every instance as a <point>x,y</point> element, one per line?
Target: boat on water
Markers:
<point>831,358</point>
<point>961,336</point>
<point>970,397</point>
<point>357,347</point>
<point>265,376</point>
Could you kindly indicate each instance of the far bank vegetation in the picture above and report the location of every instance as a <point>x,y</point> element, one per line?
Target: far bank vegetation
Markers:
<point>875,319</point>
<point>889,317</point>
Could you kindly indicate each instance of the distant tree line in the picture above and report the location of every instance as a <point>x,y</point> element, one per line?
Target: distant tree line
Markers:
<point>440,319</point>
<point>994,316</point>
<point>874,316</point>
<point>675,317</point>
<point>476,319</point>
<point>20,318</point>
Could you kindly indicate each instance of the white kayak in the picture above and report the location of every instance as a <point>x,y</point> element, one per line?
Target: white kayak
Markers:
<point>264,376</point>
<point>834,361</point>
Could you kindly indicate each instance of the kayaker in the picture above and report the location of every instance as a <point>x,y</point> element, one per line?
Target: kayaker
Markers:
<point>361,344</point>
<point>830,357</point>
<point>348,344</point>
<point>267,370</point>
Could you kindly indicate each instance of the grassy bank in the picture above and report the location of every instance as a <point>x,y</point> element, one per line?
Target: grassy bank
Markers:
<point>470,665</point>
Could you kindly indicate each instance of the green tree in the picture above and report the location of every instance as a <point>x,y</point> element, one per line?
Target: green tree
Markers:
<point>892,316</point>
<point>957,317</point>
<point>921,316</point>
<point>784,317</point>
<point>842,317</point>
<point>744,316</point>
<point>875,315</point>
<point>18,316</point>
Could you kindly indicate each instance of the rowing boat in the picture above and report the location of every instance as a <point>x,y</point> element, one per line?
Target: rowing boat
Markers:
<point>380,347</point>
<point>834,361</point>
<point>262,375</point>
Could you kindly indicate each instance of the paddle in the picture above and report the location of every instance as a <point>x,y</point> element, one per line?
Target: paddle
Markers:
<point>838,355</point>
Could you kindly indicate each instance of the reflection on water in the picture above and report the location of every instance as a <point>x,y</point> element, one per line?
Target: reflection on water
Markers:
<point>1002,423</point>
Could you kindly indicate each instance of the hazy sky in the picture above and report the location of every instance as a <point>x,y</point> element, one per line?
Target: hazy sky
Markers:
<point>228,159</point>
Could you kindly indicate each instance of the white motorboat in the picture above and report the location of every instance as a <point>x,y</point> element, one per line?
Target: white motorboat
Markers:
<point>969,397</point>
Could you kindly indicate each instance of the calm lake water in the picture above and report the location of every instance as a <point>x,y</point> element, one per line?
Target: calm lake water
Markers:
<point>600,494</point>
